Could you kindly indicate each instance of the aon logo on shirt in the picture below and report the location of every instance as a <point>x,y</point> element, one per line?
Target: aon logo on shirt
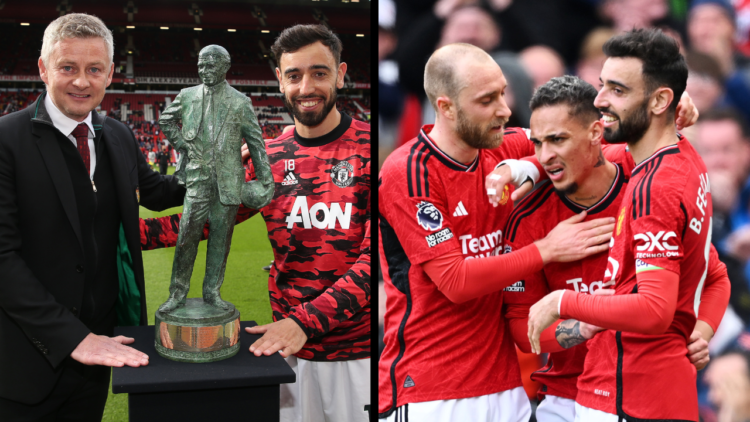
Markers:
<point>319,215</point>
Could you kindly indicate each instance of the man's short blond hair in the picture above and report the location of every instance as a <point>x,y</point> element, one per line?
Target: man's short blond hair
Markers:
<point>76,25</point>
<point>441,72</point>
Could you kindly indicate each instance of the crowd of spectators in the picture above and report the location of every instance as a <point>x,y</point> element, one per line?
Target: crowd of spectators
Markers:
<point>535,40</point>
<point>14,101</point>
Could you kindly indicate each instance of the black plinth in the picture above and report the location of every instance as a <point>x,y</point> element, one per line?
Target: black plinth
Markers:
<point>233,389</point>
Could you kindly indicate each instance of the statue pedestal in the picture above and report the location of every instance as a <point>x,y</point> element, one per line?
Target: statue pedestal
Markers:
<point>197,333</point>
<point>245,387</point>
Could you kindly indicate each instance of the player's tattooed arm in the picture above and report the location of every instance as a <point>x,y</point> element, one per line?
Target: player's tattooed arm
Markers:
<point>572,332</point>
<point>568,333</point>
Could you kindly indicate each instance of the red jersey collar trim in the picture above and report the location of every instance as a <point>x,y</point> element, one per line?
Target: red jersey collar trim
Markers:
<point>443,157</point>
<point>659,151</point>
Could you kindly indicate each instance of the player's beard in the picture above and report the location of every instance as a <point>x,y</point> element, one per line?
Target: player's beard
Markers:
<point>631,129</point>
<point>311,118</point>
<point>476,136</point>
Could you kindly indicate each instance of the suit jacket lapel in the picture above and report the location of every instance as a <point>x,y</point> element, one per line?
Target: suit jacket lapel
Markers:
<point>47,142</point>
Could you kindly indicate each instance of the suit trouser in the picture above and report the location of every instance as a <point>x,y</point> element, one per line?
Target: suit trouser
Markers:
<point>201,203</point>
<point>78,396</point>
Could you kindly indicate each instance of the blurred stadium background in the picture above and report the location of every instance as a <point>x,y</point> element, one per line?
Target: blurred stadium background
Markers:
<point>535,40</point>
<point>156,53</point>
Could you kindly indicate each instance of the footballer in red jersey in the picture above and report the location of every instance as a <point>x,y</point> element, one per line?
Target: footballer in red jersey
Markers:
<point>447,348</point>
<point>567,133</point>
<point>637,369</point>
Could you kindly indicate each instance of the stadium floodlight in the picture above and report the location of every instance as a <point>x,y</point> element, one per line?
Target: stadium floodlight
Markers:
<point>24,24</point>
<point>231,30</point>
<point>164,27</point>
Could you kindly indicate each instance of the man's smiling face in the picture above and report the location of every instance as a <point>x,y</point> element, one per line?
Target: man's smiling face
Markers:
<point>77,73</point>
<point>309,79</point>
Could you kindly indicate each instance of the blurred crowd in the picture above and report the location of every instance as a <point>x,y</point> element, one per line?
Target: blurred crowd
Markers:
<point>535,40</point>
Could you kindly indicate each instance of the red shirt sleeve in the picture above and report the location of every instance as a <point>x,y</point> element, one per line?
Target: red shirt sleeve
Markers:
<point>650,311</point>
<point>715,295</point>
<point>462,279</point>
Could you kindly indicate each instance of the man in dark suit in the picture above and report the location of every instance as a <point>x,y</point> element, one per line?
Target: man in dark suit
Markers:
<point>163,159</point>
<point>70,260</point>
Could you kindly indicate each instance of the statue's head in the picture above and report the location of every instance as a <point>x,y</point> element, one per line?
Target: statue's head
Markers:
<point>213,64</point>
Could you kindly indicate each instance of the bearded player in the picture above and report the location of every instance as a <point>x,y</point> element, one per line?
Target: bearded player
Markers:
<point>637,368</point>
<point>448,354</point>
<point>567,134</point>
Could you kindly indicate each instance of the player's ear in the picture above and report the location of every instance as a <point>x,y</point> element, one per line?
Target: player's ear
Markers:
<point>661,98</point>
<point>446,107</point>
<point>278,76</point>
<point>596,132</point>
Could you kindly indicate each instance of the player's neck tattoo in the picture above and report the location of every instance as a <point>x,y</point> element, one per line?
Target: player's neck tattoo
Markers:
<point>568,333</point>
<point>585,199</point>
<point>601,161</point>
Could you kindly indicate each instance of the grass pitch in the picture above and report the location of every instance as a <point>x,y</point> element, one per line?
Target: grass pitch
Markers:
<point>245,283</point>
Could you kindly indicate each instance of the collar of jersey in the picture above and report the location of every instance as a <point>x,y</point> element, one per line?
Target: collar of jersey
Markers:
<point>658,152</point>
<point>443,157</point>
<point>329,137</point>
<point>603,203</point>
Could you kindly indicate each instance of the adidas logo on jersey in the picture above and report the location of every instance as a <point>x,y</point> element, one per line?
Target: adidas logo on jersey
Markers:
<point>289,180</point>
<point>460,210</point>
<point>409,382</point>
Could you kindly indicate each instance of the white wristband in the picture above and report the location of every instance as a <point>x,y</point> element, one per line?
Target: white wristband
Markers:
<point>521,171</point>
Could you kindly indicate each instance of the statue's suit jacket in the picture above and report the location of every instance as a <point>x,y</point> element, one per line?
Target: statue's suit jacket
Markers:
<point>42,247</point>
<point>235,119</point>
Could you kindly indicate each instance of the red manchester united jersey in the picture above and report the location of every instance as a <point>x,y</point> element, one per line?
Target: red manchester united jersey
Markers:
<point>533,219</point>
<point>430,204</point>
<point>664,223</point>
<point>319,227</point>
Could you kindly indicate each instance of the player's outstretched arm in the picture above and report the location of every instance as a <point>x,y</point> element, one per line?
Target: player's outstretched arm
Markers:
<point>571,332</point>
<point>461,280</point>
<point>162,232</point>
<point>650,311</point>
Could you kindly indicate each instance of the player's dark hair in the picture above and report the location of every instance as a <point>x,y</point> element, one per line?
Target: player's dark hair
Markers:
<point>726,113</point>
<point>573,91</point>
<point>663,65</point>
<point>298,36</point>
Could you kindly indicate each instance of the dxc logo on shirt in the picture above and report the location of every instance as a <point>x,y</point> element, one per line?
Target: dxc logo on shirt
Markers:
<point>309,216</point>
<point>657,241</point>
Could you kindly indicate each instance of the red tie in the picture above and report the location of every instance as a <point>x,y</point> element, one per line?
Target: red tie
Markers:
<point>81,133</point>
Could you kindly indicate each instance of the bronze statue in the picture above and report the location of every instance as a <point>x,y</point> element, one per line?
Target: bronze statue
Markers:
<point>215,118</point>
